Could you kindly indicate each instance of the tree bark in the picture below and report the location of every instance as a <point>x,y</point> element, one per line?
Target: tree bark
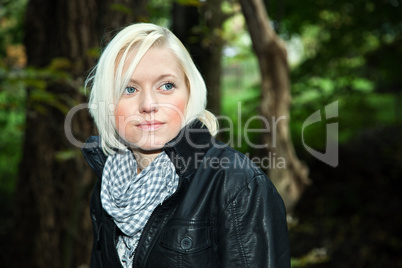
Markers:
<point>52,225</point>
<point>275,87</point>
<point>200,30</point>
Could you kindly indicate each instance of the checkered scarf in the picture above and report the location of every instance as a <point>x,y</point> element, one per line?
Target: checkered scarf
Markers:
<point>130,198</point>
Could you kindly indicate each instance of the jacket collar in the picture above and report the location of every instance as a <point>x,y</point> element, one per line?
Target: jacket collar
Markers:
<point>94,155</point>
<point>185,150</point>
<point>189,146</point>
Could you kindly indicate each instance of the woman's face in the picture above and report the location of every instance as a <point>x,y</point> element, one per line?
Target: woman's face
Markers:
<point>151,110</point>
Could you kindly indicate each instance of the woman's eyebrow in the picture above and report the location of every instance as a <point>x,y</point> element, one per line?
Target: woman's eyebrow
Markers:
<point>160,77</point>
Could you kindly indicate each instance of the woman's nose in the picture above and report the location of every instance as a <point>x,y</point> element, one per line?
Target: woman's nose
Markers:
<point>148,102</point>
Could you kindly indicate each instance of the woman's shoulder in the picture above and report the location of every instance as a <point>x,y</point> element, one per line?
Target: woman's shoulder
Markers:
<point>235,173</point>
<point>231,159</point>
<point>94,155</point>
<point>234,167</point>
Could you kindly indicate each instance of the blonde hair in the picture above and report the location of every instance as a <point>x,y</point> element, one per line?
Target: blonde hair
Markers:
<point>107,80</point>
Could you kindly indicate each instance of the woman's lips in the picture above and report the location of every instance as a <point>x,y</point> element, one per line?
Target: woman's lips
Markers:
<point>150,125</point>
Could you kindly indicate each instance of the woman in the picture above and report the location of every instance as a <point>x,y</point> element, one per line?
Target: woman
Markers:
<point>168,193</point>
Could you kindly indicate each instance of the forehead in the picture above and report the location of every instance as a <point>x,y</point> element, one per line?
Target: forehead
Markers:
<point>155,59</point>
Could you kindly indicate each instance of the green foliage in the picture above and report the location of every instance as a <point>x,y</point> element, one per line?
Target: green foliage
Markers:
<point>12,118</point>
<point>160,11</point>
<point>338,58</point>
<point>11,23</point>
<point>12,94</point>
<point>350,52</point>
<point>314,257</point>
<point>240,85</point>
<point>240,101</point>
<point>13,100</point>
<point>196,3</point>
<point>121,8</point>
<point>240,117</point>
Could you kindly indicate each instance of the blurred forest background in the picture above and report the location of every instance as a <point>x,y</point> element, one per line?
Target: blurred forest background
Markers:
<point>345,51</point>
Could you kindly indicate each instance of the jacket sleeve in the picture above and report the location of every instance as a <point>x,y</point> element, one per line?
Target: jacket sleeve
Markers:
<point>252,230</point>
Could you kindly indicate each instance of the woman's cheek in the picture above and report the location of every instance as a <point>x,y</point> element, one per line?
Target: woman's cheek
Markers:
<point>180,111</point>
<point>121,114</point>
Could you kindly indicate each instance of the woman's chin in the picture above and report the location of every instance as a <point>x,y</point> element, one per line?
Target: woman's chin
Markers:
<point>146,148</point>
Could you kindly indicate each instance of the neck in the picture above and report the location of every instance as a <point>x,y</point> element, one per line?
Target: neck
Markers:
<point>144,158</point>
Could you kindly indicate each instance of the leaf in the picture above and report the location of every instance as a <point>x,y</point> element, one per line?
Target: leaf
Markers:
<point>60,64</point>
<point>195,3</point>
<point>65,155</point>
<point>121,8</point>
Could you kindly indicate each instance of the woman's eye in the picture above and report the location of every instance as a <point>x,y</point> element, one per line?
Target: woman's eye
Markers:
<point>168,86</point>
<point>129,90</point>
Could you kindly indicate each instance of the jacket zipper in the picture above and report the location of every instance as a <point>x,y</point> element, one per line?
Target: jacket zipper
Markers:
<point>115,246</point>
<point>155,212</point>
<point>146,227</point>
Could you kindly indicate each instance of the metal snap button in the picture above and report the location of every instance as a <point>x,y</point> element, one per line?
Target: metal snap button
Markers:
<point>186,243</point>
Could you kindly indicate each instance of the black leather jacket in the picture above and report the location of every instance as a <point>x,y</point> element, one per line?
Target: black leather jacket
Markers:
<point>225,212</point>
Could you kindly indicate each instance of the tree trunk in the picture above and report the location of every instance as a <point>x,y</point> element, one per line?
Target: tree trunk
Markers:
<point>275,87</point>
<point>200,30</point>
<point>52,225</point>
